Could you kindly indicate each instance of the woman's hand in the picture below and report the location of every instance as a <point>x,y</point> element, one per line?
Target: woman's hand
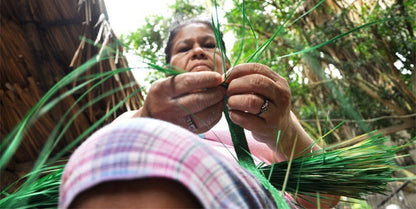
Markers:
<point>191,100</point>
<point>259,101</point>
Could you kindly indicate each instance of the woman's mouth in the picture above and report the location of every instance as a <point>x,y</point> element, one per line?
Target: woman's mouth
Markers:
<point>199,68</point>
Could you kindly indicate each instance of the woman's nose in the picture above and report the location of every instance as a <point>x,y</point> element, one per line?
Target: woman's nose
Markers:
<point>198,53</point>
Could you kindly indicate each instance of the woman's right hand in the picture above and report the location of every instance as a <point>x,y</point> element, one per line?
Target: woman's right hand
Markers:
<point>192,100</point>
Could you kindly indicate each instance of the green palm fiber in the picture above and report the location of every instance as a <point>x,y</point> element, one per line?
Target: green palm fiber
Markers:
<point>353,171</point>
<point>239,141</point>
<point>238,137</point>
<point>42,193</point>
<point>256,55</point>
<point>246,161</point>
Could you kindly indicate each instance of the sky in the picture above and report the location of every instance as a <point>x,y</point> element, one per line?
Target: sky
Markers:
<point>126,16</point>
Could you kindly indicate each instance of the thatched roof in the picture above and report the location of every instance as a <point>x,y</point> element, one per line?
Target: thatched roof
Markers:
<point>40,43</point>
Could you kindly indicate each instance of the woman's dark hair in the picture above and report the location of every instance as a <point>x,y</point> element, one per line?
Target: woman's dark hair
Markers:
<point>177,28</point>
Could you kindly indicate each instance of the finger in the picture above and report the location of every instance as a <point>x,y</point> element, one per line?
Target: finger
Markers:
<point>254,83</point>
<point>256,125</point>
<point>198,101</point>
<point>249,121</point>
<point>264,107</point>
<point>248,103</point>
<point>189,82</point>
<point>206,119</point>
<point>251,68</point>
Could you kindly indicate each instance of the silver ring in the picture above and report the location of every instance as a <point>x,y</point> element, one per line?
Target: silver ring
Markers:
<point>190,123</point>
<point>264,107</point>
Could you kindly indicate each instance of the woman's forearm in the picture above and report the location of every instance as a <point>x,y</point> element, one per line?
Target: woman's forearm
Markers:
<point>293,138</point>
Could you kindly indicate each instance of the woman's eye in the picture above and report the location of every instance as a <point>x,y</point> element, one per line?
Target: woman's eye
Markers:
<point>184,49</point>
<point>209,45</point>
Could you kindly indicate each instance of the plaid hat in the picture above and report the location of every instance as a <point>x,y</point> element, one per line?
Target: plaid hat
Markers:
<point>144,147</point>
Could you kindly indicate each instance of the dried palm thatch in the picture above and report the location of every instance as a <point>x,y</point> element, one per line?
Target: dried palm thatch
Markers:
<point>41,42</point>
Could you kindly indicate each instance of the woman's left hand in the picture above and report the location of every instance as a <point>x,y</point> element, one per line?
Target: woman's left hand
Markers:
<point>259,100</point>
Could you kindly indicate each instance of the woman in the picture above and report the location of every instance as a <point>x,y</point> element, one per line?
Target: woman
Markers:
<point>145,159</point>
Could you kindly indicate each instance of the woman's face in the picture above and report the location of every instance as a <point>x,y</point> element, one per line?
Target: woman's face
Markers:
<point>193,49</point>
